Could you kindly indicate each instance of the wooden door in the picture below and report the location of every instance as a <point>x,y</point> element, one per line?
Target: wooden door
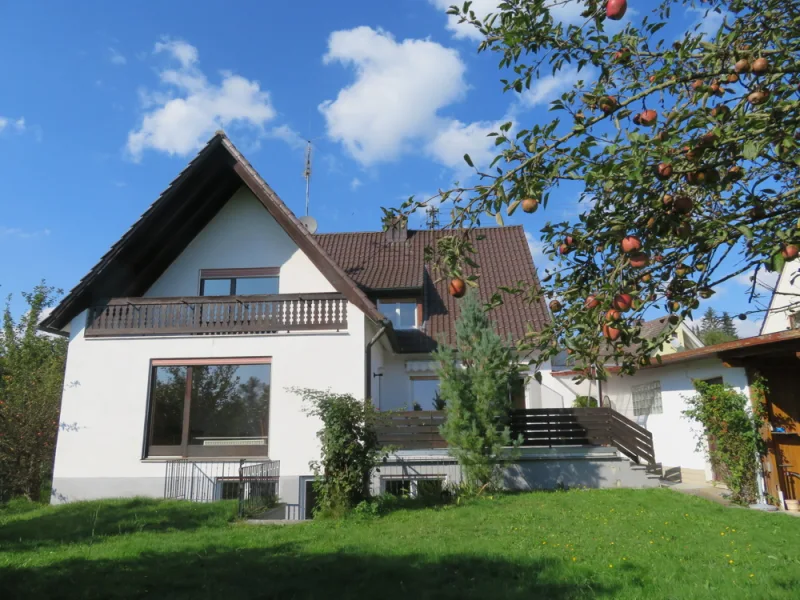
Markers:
<point>518,394</point>
<point>783,411</point>
<point>787,455</point>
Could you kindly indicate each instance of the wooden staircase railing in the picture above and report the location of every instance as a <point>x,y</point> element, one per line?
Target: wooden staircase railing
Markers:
<point>537,427</point>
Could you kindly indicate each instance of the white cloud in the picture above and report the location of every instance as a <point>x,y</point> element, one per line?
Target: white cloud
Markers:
<point>748,328</point>
<point>116,57</point>
<point>17,125</point>
<point>567,12</point>
<point>481,8</point>
<point>399,87</point>
<point>22,234</point>
<point>455,139</point>
<point>288,135</point>
<point>548,88</point>
<point>355,183</point>
<point>179,118</point>
<point>707,22</point>
<point>766,280</point>
<point>182,51</point>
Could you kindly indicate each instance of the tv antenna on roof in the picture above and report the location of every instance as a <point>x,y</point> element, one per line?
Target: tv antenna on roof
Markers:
<point>432,217</point>
<point>307,173</point>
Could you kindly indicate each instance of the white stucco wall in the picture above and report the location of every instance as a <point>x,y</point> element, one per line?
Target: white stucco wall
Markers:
<point>674,436</point>
<point>784,301</point>
<point>105,399</point>
<point>560,392</point>
<point>243,234</point>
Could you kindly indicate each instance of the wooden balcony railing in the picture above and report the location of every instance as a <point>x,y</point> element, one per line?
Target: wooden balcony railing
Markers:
<point>537,427</point>
<point>412,430</point>
<point>215,315</point>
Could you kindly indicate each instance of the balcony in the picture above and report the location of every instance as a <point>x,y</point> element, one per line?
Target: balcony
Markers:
<point>218,315</point>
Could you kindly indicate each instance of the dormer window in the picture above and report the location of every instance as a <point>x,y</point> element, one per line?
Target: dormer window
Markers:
<point>404,313</point>
<point>239,282</point>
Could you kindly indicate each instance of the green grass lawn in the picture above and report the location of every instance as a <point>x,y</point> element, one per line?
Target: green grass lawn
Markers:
<point>577,544</point>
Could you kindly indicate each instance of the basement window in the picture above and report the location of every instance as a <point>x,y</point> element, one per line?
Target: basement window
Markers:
<point>647,399</point>
<point>206,408</point>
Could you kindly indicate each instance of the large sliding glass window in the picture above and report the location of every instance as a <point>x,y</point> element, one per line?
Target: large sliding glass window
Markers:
<point>208,409</point>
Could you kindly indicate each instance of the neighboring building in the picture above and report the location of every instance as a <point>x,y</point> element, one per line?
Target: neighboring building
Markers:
<point>784,305</point>
<point>188,338</point>
<point>560,390</point>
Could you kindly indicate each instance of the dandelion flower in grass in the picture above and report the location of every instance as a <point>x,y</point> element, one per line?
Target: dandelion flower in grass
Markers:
<point>752,575</point>
<point>610,566</point>
<point>574,558</point>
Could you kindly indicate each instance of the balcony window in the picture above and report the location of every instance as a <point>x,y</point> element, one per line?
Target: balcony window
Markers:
<point>239,282</point>
<point>404,313</point>
<point>424,392</point>
<point>209,409</point>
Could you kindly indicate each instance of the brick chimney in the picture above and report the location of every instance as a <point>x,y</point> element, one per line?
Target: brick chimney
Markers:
<point>397,230</point>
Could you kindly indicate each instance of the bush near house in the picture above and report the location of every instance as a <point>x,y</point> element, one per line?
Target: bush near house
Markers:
<point>730,435</point>
<point>31,380</point>
<point>349,449</point>
<point>620,544</point>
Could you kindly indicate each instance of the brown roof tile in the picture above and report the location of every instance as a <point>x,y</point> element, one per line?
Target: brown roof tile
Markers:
<point>378,265</point>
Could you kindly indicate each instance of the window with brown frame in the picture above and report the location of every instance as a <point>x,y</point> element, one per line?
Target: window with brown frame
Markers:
<point>404,313</point>
<point>209,408</point>
<point>239,282</point>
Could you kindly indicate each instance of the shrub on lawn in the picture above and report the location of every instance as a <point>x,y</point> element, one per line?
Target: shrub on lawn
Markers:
<point>31,380</point>
<point>350,449</point>
<point>731,435</point>
<point>475,378</point>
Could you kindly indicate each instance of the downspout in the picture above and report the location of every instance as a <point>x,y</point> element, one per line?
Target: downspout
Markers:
<point>368,363</point>
<point>599,390</point>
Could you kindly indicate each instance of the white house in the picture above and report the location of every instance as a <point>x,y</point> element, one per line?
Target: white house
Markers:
<point>188,337</point>
<point>784,306</point>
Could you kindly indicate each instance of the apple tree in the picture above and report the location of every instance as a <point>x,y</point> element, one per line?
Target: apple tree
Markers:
<point>686,150</point>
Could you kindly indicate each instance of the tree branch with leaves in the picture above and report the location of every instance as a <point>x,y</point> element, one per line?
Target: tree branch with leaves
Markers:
<point>687,150</point>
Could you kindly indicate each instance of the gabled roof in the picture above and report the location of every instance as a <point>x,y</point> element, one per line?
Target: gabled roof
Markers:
<point>134,263</point>
<point>379,267</point>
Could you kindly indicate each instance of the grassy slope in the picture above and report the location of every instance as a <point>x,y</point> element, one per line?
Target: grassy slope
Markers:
<point>579,544</point>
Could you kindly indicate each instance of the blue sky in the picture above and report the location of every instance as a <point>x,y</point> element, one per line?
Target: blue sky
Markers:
<point>104,103</point>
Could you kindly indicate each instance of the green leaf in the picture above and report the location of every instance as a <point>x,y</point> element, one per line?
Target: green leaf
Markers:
<point>499,218</point>
<point>750,150</point>
<point>512,207</point>
<point>777,262</point>
<point>468,160</point>
<point>746,231</point>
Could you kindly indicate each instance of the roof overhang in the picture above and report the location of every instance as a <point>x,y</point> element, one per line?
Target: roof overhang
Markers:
<point>134,262</point>
<point>733,353</point>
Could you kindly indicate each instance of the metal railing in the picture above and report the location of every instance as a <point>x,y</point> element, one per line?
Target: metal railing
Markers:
<point>210,315</point>
<point>254,486</point>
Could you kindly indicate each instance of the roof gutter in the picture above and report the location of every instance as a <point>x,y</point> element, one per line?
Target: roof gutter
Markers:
<point>368,363</point>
